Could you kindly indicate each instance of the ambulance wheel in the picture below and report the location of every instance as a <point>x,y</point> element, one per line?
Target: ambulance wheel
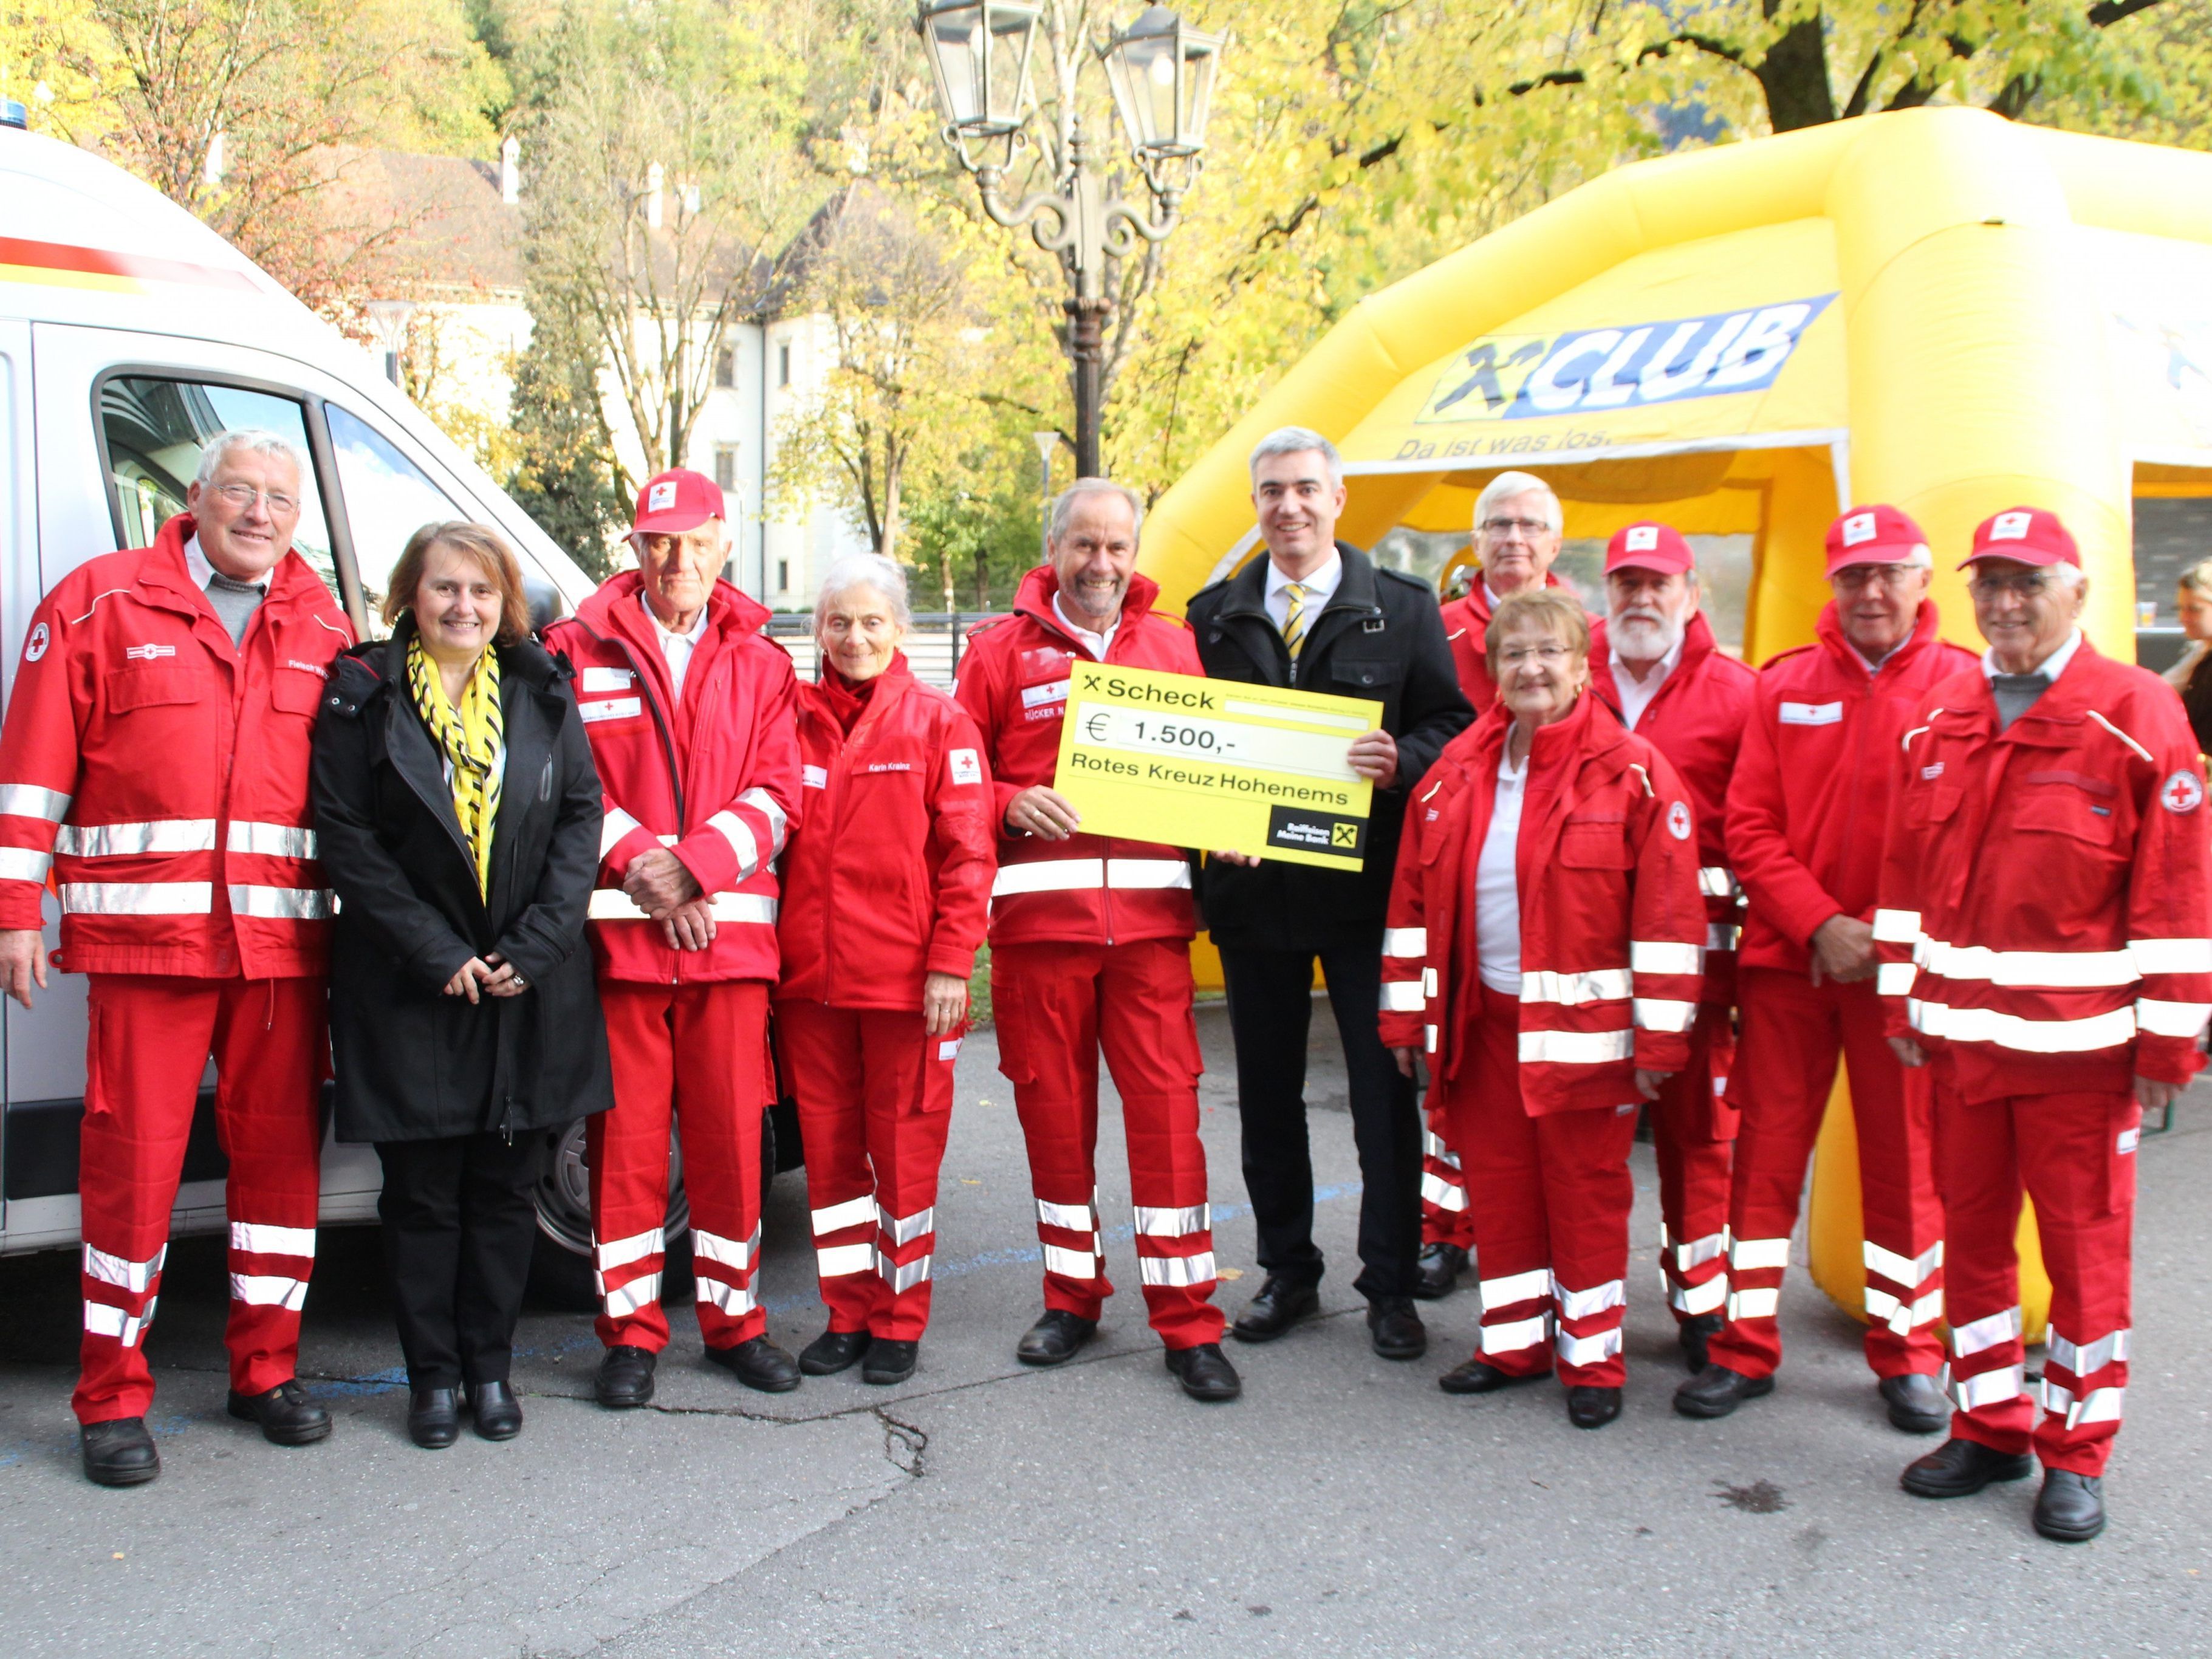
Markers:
<point>561,1266</point>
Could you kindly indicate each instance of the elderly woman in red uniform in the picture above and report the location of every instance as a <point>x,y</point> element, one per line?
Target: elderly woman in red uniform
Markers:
<point>1544,952</point>
<point>886,887</point>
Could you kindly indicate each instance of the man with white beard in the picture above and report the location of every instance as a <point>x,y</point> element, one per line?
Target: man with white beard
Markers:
<point>1654,662</point>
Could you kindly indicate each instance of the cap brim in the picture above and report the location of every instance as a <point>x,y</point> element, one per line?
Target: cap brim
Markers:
<point>2040,557</point>
<point>1875,553</point>
<point>1658,564</point>
<point>674,522</point>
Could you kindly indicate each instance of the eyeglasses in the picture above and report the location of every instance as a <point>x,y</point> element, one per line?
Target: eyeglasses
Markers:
<point>1499,529</point>
<point>2021,584</point>
<point>1892,576</point>
<point>1550,653</point>
<point>239,494</point>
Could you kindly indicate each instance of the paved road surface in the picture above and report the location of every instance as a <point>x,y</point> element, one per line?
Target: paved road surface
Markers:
<point>1344,1506</point>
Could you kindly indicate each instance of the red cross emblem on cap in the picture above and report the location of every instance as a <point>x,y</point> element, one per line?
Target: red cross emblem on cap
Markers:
<point>2182,792</point>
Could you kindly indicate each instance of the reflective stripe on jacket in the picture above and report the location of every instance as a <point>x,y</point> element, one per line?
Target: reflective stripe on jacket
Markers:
<point>711,776</point>
<point>1696,720</point>
<point>1613,926</point>
<point>2045,916</point>
<point>1810,798</point>
<point>889,879</point>
<point>1090,890</point>
<point>159,772</point>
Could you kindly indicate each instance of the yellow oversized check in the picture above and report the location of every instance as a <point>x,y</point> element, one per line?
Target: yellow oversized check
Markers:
<point>1216,763</point>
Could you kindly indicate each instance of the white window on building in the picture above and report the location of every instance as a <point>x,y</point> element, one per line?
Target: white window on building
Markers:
<point>783,364</point>
<point>783,575</point>
<point>725,466</point>
<point>726,365</point>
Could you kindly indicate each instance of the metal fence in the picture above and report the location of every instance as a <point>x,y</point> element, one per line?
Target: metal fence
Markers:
<point>933,644</point>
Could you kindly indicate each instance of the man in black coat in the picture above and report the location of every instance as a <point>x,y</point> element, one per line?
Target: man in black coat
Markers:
<point>1317,615</point>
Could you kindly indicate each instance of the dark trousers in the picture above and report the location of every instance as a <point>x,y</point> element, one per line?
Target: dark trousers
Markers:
<point>458,1227</point>
<point>1270,1009</point>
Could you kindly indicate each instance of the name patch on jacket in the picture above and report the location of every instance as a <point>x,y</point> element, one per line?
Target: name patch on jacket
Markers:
<point>966,768</point>
<point>1037,700</point>
<point>606,679</point>
<point>814,777</point>
<point>891,766</point>
<point>1812,713</point>
<point>320,673</point>
<point>614,708</point>
<point>147,653</point>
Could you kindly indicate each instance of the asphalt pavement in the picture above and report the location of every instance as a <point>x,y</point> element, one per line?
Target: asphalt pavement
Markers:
<point>1345,1505</point>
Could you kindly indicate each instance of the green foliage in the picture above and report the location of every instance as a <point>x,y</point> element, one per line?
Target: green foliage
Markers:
<point>564,480</point>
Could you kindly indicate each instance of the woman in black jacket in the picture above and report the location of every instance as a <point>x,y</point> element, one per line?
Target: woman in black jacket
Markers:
<point>459,815</point>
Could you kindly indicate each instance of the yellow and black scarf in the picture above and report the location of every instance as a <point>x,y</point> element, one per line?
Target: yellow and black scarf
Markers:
<point>472,737</point>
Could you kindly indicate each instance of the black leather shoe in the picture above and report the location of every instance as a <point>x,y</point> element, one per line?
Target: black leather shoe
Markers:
<point>2071,1508</point>
<point>1437,1271</point>
<point>1053,1339</point>
<point>1592,1408</point>
<point>1716,1391</point>
<point>1478,1376</point>
<point>1281,1303</point>
<point>498,1413</point>
<point>758,1364</point>
<point>1960,1468</point>
<point>625,1378</point>
<point>832,1352</point>
<point>1694,1335</point>
<point>890,1361</point>
<point>1395,1330</point>
<point>1205,1372</point>
<point>119,1452</point>
<point>287,1416</point>
<point>1916,1404</point>
<point>433,1418</point>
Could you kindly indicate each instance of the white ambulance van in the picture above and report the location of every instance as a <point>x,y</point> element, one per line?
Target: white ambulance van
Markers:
<point>129,334</point>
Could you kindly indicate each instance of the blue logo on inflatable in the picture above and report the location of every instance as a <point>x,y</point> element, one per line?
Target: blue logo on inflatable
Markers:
<point>1534,377</point>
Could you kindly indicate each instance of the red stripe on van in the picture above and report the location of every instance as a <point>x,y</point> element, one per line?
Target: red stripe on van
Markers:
<point>105,262</point>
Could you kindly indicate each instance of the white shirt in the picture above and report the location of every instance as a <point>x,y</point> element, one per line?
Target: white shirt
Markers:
<point>1497,890</point>
<point>1636,696</point>
<point>2051,667</point>
<point>202,572</point>
<point>1096,644</point>
<point>676,648</point>
<point>1320,587</point>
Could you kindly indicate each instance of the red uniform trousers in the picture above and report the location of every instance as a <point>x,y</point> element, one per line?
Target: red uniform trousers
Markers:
<point>2076,1153</point>
<point>697,1056</point>
<point>875,1101</point>
<point>1057,1005</point>
<point>149,1044</point>
<point>1692,1129</point>
<point>1793,1031</point>
<point>1551,1201</point>
<point>1445,1218</point>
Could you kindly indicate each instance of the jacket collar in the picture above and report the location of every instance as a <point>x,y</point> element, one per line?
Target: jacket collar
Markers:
<point>1355,589</point>
<point>525,663</point>
<point>1034,600</point>
<point>1582,733</point>
<point>1829,630</point>
<point>1698,644</point>
<point>614,608</point>
<point>1477,595</point>
<point>166,573</point>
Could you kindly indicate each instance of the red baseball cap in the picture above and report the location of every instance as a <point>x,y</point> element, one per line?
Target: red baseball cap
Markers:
<point>1649,546</point>
<point>1873,535</point>
<point>675,501</point>
<point>2027,535</point>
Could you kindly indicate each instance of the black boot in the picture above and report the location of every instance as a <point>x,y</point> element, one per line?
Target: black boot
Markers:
<point>1205,1372</point>
<point>758,1364</point>
<point>1590,1407</point>
<point>890,1361</point>
<point>1437,1271</point>
<point>1916,1404</point>
<point>1716,1391</point>
<point>287,1416</point>
<point>1053,1339</point>
<point>1960,1468</point>
<point>625,1378</point>
<point>2071,1508</point>
<point>832,1352</point>
<point>1281,1303</point>
<point>498,1413</point>
<point>119,1452</point>
<point>1693,1336</point>
<point>1478,1376</point>
<point>1394,1331</point>
<point>433,1418</point>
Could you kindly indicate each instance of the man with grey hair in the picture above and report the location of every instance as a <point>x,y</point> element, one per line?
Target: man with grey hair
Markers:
<point>1091,951</point>
<point>1316,613</point>
<point>154,759</point>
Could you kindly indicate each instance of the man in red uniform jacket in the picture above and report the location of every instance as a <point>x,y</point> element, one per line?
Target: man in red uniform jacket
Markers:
<point>1805,818</point>
<point>154,759</point>
<point>1091,951</point>
<point>689,710</point>
<point>2046,899</point>
<point>1518,527</point>
<point>1654,663</point>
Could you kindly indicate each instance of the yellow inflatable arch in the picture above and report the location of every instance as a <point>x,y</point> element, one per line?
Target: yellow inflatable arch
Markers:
<point>1935,308</point>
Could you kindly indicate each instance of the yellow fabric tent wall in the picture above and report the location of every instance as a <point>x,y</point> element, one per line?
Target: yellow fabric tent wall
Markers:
<point>1976,371</point>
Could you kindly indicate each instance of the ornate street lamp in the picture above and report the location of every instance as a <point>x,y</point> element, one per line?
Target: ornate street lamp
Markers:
<point>1161,71</point>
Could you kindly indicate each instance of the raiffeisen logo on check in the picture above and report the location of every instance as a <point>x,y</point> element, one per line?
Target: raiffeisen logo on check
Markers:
<point>1532,377</point>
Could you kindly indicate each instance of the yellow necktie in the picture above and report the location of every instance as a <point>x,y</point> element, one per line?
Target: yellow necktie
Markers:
<point>1294,619</point>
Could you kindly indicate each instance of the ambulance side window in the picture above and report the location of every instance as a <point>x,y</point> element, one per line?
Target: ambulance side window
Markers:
<point>154,430</point>
<point>388,498</point>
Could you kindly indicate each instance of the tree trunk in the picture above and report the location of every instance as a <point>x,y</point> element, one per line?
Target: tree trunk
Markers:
<point>1795,76</point>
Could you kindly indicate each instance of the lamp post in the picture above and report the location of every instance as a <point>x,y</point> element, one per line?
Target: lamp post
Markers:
<point>1161,72</point>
